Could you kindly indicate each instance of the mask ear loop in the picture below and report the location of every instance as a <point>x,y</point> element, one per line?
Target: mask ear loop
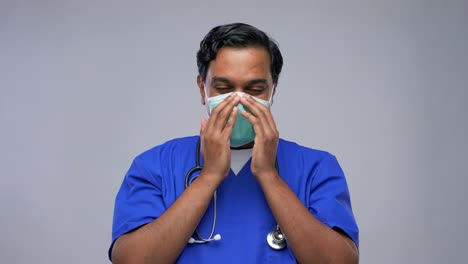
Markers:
<point>206,95</point>
<point>270,100</point>
<point>207,105</point>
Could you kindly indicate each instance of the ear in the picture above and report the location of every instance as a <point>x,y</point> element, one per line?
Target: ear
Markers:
<point>202,89</point>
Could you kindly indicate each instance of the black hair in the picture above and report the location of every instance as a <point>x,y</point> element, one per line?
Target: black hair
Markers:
<point>237,35</point>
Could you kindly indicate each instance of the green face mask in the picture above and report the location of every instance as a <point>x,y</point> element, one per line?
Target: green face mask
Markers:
<point>242,132</point>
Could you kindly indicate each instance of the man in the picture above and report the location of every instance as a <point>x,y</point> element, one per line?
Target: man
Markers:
<point>272,201</point>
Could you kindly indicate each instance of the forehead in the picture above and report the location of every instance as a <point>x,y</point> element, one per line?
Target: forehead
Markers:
<point>240,64</point>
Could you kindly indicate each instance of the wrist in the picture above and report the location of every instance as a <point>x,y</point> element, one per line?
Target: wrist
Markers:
<point>266,177</point>
<point>210,179</point>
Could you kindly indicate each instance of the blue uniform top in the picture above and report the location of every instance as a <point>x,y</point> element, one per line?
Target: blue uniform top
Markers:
<point>156,179</point>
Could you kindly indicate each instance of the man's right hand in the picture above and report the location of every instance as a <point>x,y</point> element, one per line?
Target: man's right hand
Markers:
<point>163,239</point>
<point>215,143</point>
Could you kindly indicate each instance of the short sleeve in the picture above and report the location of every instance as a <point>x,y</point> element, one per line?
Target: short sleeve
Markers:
<point>329,199</point>
<point>139,200</point>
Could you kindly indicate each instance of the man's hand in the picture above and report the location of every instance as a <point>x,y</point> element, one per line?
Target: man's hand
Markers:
<point>215,134</point>
<point>266,138</point>
<point>309,239</point>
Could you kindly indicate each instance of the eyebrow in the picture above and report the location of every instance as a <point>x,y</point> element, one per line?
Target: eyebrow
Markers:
<point>257,81</point>
<point>220,79</point>
<point>249,83</point>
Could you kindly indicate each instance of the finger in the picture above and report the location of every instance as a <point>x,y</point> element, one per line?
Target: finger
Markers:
<point>215,112</point>
<point>221,116</point>
<point>260,111</point>
<point>202,125</point>
<point>255,107</point>
<point>230,122</point>
<point>258,128</point>
<point>269,117</point>
<point>267,113</point>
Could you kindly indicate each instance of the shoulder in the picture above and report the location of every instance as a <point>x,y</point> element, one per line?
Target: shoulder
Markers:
<point>295,149</point>
<point>176,146</point>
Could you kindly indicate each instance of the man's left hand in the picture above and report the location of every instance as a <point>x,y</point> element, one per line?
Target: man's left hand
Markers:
<point>266,138</point>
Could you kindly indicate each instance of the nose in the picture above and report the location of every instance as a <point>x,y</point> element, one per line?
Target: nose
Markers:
<point>238,89</point>
<point>239,93</point>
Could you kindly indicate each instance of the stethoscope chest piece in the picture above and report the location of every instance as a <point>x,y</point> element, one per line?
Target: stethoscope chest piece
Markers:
<point>276,240</point>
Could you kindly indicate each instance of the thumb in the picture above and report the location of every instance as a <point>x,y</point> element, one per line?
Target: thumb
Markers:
<point>202,125</point>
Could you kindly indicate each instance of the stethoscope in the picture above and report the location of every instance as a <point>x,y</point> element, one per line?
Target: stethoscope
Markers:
<point>275,239</point>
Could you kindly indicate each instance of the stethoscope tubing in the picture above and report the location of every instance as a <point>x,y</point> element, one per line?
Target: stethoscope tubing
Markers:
<point>275,238</point>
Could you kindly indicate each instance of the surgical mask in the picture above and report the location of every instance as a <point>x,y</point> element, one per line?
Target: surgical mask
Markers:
<point>242,132</point>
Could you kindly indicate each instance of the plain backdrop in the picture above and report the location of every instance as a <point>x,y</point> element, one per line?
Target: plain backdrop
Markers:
<point>87,85</point>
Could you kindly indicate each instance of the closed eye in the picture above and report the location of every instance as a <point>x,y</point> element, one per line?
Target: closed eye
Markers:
<point>255,90</point>
<point>222,88</point>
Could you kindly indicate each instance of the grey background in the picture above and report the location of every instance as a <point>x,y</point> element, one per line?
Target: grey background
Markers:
<point>87,85</point>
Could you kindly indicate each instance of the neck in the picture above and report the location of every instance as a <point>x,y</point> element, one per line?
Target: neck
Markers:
<point>246,146</point>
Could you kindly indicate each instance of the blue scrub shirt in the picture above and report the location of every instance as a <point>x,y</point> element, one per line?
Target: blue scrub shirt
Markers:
<point>156,179</point>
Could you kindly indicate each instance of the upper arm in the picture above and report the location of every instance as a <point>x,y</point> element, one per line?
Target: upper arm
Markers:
<point>138,202</point>
<point>329,199</point>
<point>348,240</point>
